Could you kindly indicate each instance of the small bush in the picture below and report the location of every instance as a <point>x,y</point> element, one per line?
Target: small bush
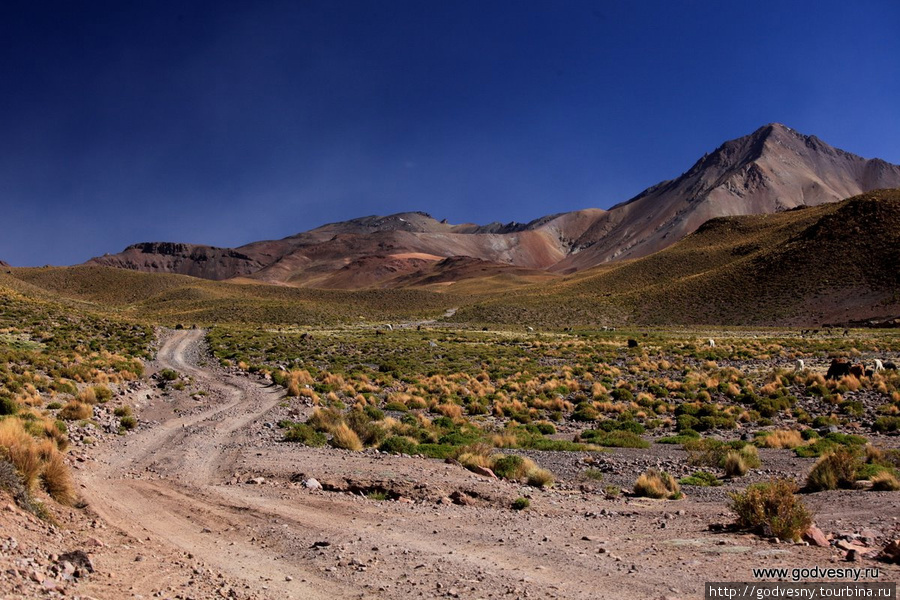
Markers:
<point>122,411</point>
<point>76,411</point>
<point>885,482</point>
<point>57,480</point>
<point>781,438</point>
<point>592,473</point>
<point>510,466</point>
<point>345,438</point>
<point>304,434</point>
<point>168,375</point>
<point>613,439</point>
<point>772,509</point>
<point>657,484</point>
<point>521,503</point>
<point>702,479</point>
<point>833,471</point>
<point>541,478</point>
<point>128,422</point>
<point>734,465</point>
<point>397,444</point>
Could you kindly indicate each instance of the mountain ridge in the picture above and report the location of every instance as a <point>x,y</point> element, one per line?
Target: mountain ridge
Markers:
<point>773,169</point>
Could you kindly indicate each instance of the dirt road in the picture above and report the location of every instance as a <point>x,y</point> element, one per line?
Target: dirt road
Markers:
<point>192,524</point>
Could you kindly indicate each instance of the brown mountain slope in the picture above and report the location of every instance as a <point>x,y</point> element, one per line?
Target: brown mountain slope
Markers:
<point>207,262</point>
<point>773,169</point>
<point>835,263</point>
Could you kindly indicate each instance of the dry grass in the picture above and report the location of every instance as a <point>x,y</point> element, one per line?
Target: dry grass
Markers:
<point>783,438</point>
<point>832,471</point>
<point>885,482</point>
<point>346,438</point>
<point>57,480</point>
<point>657,484</point>
<point>76,411</point>
<point>22,451</point>
<point>735,465</point>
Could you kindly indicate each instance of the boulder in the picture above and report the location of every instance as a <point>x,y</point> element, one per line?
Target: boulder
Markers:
<point>816,537</point>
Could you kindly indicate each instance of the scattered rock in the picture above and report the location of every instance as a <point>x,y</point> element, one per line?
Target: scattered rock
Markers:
<point>891,553</point>
<point>312,484</point>
<point>815,536</point>
<point>484,471</point>
<point>78,558</point>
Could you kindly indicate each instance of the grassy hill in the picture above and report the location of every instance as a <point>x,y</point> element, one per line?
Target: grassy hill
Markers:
<point>170,299</point>
<point>830,264</point>
<point>834,263</point>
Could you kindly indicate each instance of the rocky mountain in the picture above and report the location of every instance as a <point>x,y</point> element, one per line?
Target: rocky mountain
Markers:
<point>3,264</point>
<point>207,262</point>
<point>771,170</point>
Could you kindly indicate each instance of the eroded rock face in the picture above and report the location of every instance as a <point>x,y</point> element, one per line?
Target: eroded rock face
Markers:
<point>771,170</point>
<point>207,262</point>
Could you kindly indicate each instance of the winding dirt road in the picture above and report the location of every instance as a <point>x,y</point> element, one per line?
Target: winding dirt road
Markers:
<point>178,493</point>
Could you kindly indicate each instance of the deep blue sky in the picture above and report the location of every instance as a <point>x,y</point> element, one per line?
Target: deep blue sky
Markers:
<point>226,122</point>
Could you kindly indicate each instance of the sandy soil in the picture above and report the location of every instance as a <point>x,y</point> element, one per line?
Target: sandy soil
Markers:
<point>203,501</point>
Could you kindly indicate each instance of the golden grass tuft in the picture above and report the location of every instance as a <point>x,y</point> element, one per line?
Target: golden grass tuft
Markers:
<point>345,438</point>
<point>735,465</point>
<point>657,484</point>
<point>21,450</point>
<point>885,482</point>
<point>76,411</point>
<point>783,438</point>
<point>57,480</point>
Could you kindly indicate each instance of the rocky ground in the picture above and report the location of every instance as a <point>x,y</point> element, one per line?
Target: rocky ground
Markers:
<point>203,501</point>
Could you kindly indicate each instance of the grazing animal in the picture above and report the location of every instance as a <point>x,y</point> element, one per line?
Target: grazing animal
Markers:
<point>890,366</point>
<point>712,343</point>
<point>858,370</point>
<point>632,343</point>
<point>839,367</point>
<point>799,365</point>
<point>879,366</point>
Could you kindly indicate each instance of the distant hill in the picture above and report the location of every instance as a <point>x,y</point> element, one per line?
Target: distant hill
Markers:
<point>831,264</point>
<point>835,263</point>
<point>769,171</point>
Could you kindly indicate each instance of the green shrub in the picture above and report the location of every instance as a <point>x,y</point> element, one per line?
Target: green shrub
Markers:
<point>684,436</point>
<point>702,479</point>
<point>168,375</point>
<point>771,509</point>
<point>886,424</point>
<point>521,503</point>
<point>509,466</point>
<point>398,445</point>
<point>592,473</point>
<point>128,422</point>
<point>8,406</point>
<point>304,434</point>
<point>613,439</point>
